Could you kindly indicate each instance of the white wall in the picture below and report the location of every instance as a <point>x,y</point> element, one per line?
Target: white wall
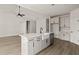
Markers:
<point>74,26</point>
<point>11,25</point>
<point>41,23</point>
<point>40,20</point>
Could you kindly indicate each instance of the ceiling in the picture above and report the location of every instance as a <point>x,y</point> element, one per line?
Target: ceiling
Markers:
<point>8,7</point>
<point>51,10</point>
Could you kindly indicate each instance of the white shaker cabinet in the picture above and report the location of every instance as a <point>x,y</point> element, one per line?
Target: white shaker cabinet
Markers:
<point>37,44</point>
<point>46,41</point>
<point>54,20</point>
<point>27,47</point>
<point>43,44</point>
<point>33,45</point>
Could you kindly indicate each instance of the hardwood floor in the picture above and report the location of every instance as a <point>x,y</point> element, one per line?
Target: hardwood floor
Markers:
<point>10,45</point>
<point>61,47</point>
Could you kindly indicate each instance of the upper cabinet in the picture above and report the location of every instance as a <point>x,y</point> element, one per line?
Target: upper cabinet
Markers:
<point>54,20</point>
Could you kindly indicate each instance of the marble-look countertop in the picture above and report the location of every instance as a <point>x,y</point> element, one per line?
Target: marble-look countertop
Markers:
<point>31,35</point>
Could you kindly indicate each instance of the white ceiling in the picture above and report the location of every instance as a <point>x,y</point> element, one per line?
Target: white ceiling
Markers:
<point>49,10</point>
<point>8,7</point>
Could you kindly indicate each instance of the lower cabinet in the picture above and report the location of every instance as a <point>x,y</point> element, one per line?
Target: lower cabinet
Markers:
<point>31,47</point>
<point>47,42</point>
<point>27,48</point>
<point>34,45</point>
<point>37,44</point>
<point>43,44</point>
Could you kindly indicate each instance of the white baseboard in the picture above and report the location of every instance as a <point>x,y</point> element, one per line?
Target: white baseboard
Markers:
<point>9,35</point>
<point>75,42</point>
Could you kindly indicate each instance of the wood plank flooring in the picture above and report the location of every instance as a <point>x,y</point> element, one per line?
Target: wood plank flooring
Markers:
<point>61,47</point>
<point>10,45</point>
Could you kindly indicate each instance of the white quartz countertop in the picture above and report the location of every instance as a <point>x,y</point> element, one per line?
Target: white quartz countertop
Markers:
<point>32,35</point>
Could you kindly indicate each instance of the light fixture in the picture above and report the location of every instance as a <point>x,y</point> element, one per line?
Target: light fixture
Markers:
<point>19,13</point>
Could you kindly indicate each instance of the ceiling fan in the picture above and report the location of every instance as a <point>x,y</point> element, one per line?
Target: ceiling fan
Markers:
<point>19,13</point>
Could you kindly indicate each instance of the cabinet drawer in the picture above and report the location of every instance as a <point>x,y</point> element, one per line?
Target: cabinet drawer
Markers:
<point>39,37</point>
<point>46,36</point>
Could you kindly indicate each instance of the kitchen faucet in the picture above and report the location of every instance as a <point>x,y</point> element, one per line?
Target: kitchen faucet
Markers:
<point>41,30</point>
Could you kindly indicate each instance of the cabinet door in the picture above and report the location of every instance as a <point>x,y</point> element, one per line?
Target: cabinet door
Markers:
<point>24,48</point>
<point>47,42</point>
<point>37,44</point>
<point>31,47</point>
<point>43,44</point>
<point>56,19</point>
<point>52,20</point>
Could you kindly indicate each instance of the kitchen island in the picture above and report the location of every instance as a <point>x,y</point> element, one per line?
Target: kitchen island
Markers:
<point>33,43</point>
